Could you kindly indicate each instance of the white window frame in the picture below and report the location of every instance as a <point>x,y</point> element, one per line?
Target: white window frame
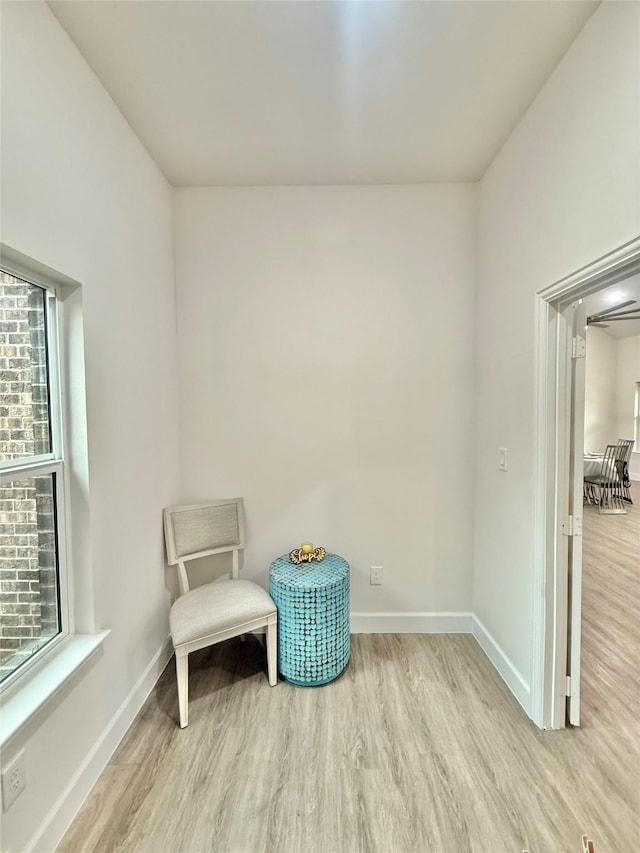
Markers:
<point>54,462</point>
<point>41,678</point>
<point>636,420</point>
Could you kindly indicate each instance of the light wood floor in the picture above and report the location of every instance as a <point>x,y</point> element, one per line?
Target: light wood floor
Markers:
<point>419,746</point>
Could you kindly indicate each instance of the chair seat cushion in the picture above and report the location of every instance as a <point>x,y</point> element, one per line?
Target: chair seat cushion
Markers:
<point>217,607</point>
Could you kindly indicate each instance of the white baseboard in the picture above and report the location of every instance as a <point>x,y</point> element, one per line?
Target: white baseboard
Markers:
<point>510,675</point>
<point>411,623</point>
<point>54,826</point>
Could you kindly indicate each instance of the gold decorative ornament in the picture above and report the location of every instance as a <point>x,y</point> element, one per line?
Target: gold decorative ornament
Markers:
<point>306,553</point>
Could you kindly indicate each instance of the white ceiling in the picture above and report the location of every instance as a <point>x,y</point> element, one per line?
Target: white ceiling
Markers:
<point>265,92</point>
<point>612,296</point>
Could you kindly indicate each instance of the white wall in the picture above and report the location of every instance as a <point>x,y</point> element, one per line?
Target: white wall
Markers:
<point>600,398</point>
<point>627,375</point>
<point>81,195</point>
<point>612,370</point>
<point>562,192</point>
<point>326,344</point>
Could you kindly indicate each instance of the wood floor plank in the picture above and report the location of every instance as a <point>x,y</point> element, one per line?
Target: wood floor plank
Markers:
<point>418,747</point>
<point>88,828</point>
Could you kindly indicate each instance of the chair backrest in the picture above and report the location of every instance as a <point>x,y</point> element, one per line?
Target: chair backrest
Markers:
<point>199,530</point>
<point>625,448</point>
<point>611,462</point>
<point>627,444</point>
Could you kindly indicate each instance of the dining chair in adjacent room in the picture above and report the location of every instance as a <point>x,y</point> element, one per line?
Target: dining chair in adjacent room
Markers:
<point>608,482</point>
<point>214,611</point>
<point>627,444</point>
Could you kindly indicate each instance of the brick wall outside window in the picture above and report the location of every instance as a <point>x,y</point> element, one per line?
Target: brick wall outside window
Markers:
<point>28,586</point>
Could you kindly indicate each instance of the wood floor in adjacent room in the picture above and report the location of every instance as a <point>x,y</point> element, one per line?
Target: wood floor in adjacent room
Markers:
<point>419,746</point>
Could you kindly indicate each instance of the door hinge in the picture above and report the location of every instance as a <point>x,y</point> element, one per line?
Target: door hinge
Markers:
<point>568,687</point>
<point>578,347</point>
<point>572,526</point>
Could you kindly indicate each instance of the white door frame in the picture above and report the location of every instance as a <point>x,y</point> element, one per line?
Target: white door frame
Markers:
<point>551,477</point>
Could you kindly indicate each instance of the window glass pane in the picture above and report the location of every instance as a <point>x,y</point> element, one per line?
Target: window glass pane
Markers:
<point>29,589</point>
<point>25,424</point>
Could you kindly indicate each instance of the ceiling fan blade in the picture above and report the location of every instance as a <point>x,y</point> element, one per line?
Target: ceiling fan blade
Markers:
<point>621,313</point>
<point>597,325</point>
<point>620,319</point>
<point>614,309</point>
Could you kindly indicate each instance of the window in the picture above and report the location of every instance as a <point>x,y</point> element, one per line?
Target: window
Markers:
<point>32,475</point>
<point>636,420</point>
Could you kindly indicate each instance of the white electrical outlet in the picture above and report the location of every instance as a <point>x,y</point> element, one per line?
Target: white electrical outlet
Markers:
<point>376,575</point>
<point>14,780</point>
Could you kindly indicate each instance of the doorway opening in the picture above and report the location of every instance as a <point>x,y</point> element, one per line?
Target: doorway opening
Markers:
<point>558,482</point>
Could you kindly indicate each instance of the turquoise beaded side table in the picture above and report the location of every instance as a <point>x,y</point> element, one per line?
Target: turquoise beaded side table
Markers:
<point>312,600</point>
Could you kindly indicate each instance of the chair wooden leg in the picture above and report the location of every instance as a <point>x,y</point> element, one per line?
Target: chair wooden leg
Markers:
<point>182,676</point>
<point>272,651</point>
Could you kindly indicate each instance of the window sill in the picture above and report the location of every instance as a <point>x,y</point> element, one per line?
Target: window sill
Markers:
<point>27,697</point>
